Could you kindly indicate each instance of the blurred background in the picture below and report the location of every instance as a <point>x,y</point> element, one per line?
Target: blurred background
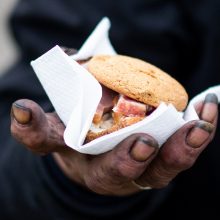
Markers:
<point>8,51</point>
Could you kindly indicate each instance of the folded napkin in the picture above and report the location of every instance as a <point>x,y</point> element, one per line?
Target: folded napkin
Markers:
<point>75,95</point>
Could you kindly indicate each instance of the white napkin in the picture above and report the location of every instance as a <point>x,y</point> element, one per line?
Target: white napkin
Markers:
<point>75,95</point>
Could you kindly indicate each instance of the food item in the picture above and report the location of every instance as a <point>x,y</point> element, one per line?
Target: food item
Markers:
<point>132,89</point>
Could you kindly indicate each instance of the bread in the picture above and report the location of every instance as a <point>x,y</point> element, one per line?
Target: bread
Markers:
<point>124,122</point>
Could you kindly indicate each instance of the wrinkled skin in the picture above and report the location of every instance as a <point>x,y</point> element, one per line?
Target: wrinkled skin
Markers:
<point>137,159</point>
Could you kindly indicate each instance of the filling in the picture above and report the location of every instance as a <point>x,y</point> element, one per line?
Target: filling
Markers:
<point>115,108</point>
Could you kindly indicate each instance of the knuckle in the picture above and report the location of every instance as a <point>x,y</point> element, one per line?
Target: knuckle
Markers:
<point>179,163</point>
<point>125,169</point>
<point>33,141</point>
<point>108,179</point>
<point>157,178</point>
<point>180,160</point>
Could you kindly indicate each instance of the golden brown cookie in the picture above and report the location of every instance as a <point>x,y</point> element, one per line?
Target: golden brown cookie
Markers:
<point>138,80</point>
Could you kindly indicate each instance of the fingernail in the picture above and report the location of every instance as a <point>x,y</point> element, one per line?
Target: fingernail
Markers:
<point>69,51</point>
<point>211,98</point>
<point>21,114</point>
<point>199,134</point>
<point>210,107</point>
<point>142,149</point>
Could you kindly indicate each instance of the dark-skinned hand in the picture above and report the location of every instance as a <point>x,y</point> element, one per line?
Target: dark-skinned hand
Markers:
<point>136,160</point>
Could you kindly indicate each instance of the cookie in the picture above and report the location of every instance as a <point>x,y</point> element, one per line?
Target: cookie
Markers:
<point>138,80</point>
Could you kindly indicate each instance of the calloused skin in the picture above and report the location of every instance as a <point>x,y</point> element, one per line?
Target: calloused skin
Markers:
<point>136,159</point>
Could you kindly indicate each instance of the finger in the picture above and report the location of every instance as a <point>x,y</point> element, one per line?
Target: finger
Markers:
<point>175,156</point>
<point>178,153</point>
<point>39,132</point>
<point>208,109</point>
<point>113,172</point>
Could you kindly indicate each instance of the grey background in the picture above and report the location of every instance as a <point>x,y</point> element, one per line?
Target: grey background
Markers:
<point>8,50</point>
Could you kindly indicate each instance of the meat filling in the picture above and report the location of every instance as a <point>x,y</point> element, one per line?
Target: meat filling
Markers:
<point>114,107</point>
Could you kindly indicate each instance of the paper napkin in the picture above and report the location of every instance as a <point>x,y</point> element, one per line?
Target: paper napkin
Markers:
<point>75,95</point>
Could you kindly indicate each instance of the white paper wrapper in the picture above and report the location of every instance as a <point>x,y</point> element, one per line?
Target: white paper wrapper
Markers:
<point>75,95</point>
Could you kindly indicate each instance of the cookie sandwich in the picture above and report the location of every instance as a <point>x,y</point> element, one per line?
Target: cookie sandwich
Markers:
<point>131,90</point>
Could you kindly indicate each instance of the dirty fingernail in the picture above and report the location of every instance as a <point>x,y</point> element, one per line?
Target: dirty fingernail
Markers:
<point>210,107</point>
<point>199,134</point>
<point>211,98</point>
<point>142,149</point>
<point>21,114</point>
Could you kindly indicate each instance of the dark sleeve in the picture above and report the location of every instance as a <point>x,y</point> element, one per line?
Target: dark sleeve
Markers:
<point>39,25</point>
<point>166,33</point>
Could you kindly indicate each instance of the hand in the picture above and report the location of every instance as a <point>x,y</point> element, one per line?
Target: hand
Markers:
<point>136,160</point>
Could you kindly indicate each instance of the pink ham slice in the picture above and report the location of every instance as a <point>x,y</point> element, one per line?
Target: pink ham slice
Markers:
<point>129,107</point>
<point>125,106</point>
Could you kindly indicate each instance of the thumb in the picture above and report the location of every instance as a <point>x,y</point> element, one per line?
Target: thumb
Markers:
<point>39,132</point>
